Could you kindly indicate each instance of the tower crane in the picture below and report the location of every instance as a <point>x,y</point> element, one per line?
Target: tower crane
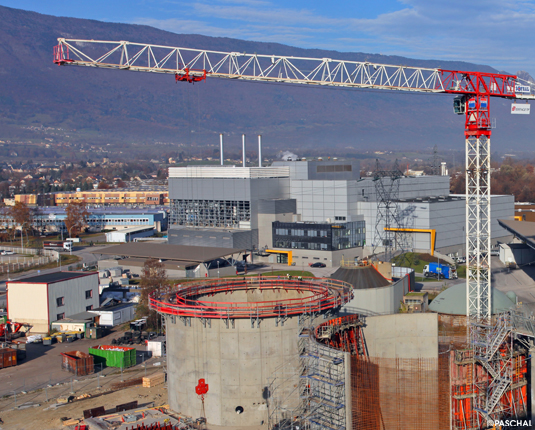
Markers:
<point>472,91</point>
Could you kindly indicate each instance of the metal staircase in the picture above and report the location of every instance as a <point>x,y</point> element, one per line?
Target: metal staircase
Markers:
<point>487,341</point>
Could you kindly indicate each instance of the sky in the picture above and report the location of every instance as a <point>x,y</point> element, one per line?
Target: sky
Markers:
<point>498,34</point>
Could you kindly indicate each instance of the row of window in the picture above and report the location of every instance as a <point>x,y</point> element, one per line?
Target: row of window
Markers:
<point>60,301</point>
<point>300,232</point>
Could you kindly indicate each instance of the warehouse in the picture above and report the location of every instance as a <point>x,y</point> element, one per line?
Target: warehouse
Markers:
<point>41,300</point>
<point>179,261</point>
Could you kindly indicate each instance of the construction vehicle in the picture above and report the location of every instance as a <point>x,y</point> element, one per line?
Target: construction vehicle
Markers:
<point>440,271</point>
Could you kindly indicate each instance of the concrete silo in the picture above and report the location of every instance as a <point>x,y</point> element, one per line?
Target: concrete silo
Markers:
<point>235,334</point>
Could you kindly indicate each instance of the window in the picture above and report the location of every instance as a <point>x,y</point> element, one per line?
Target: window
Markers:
<point>60,301</point>
<point>60,316</point>
<point>339,218</point>
<point>88,308</point>
<point>89,294</point>
<point>334,168</point>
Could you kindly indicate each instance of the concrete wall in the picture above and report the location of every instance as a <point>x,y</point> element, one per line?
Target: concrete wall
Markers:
<point>236,363</point>
<point>383,300</point>
<point>402,335</point>
<point>216,237</point>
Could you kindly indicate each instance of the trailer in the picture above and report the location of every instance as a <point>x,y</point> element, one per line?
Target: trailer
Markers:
<point>61,244</point>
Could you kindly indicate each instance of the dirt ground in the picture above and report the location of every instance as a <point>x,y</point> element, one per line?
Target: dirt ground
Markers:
<point>39,418</point>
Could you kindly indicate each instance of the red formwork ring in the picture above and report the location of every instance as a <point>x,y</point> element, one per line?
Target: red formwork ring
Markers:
<point>315,295</point>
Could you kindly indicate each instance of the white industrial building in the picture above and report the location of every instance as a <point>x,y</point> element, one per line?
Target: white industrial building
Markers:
<point>129,234</point>
<point>302,212</point>
<point>110,316</point>
<point>41,300</point>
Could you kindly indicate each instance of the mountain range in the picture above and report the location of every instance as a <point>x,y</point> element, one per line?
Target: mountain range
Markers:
<point>102,106</point>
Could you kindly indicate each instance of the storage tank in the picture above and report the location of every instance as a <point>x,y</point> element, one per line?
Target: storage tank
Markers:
<point>235,334</point>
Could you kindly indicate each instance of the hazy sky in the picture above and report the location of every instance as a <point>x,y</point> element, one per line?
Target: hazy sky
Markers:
<point>499,34</point>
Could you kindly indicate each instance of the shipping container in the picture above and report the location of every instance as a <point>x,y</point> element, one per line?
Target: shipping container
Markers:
<point>77,362</point>
<point>114,356</point>
<point>8,357</point>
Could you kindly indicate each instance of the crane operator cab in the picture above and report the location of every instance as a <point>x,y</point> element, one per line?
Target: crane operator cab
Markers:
<point>459,105</point>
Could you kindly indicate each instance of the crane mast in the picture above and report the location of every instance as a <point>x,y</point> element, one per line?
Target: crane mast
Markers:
<point>473,90</point>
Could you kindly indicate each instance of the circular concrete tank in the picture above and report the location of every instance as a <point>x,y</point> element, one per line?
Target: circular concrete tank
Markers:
<point>235,334</point>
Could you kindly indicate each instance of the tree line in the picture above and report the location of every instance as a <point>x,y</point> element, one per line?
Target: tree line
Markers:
<point>516,177</point>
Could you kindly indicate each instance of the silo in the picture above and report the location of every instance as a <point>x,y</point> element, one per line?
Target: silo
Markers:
<point>235,334</point>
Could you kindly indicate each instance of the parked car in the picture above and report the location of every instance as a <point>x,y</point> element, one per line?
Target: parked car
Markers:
<point>317,264</point>
<point>7,253</point>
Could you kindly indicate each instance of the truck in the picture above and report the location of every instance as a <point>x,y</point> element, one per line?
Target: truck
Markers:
<point>440,271</point>
<point>65,245</point>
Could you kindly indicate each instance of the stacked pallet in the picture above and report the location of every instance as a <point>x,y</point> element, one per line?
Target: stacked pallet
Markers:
<point>152,381</point>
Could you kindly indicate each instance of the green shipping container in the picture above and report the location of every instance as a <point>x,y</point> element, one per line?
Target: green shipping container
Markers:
<point>114,356</point>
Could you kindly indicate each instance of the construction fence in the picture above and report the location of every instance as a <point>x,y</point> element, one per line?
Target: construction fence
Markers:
<point>25,258</point>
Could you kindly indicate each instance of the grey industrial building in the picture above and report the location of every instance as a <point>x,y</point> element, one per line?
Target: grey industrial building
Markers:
<point>314,211</point>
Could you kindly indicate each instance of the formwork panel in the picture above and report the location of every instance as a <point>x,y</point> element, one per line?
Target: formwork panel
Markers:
<point>399,394</point>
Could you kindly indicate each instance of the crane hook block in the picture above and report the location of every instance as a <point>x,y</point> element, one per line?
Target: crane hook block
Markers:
<point>186,77</point>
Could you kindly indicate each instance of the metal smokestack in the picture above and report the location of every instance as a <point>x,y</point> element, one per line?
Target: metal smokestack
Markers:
<point>221,147</point>
<point>243,149</point>
<point>259,150</point>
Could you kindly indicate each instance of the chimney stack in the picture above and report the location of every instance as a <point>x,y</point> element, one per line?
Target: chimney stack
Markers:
<point>243,150</point>
<point>259,150</point>
<point>221,147</point>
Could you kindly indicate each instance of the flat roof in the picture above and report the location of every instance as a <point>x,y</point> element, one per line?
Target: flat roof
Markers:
<point>524,230</point>
<point>168,265</point>
<point>50,278</point>
<point>163,251</point>
<point>111,308</point>
<point>132,229</point>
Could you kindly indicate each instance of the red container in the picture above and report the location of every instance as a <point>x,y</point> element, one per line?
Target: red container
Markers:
<point>8,357</point>
<point>77,362</point>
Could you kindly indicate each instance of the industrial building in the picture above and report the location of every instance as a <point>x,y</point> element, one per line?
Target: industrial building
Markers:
<point>179,261</point>
<point>110,197</point>
<point>43,299</point>
<point>317,211</point>
<point>52,219</point>
<point>110,316</point>
<point>129,234</point>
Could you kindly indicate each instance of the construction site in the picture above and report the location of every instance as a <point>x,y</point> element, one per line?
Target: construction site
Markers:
<point>265,352</point>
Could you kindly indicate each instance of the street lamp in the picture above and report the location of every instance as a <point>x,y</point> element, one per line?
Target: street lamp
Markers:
<point>218,268</point>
